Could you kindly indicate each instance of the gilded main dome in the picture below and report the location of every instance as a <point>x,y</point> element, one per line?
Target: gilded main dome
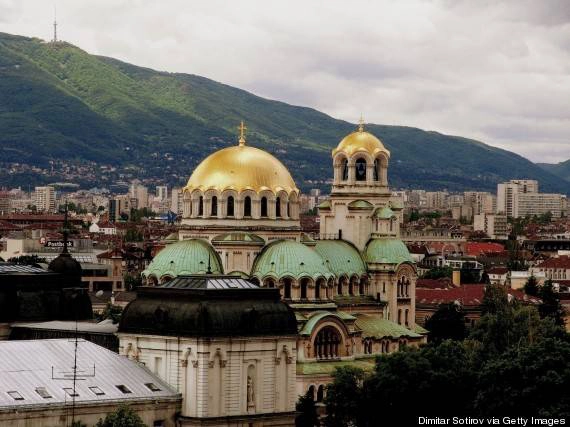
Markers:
<point>241,168</point>
<point>360,140</point>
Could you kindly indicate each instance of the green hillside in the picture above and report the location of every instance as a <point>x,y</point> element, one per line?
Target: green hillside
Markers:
<point>58,103</point>
<point>561,169</point>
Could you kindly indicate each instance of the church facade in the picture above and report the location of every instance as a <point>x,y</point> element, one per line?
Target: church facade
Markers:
<point>351,288</point>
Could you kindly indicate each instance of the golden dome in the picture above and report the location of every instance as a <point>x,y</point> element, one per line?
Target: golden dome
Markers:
<point>360,140</point>
<point>241,168</point>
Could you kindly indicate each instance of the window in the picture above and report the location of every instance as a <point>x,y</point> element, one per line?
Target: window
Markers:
<point>345,170</point>
<point>96,391</point>
<point>158,365</point>
<point>230,206</point>
<point>123,388</point>
<point>339,287</point>
<point>69,391</point>
<point>42,391</point>
<point>278,207</point>
<point>287,289</point>
<point>201,206</point>
<point>264,207</point>
<point>15,395</point>
<point>327,343</point>
<point>376,170</point>
<point>214,209</point>
<point>152,387</point>
<point>247,206</point>
<point>360,170</point>
<point>158,423</point>
<point>304,289</point>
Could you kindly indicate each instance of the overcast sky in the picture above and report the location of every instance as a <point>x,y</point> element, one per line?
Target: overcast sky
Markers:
<point>497,71</point>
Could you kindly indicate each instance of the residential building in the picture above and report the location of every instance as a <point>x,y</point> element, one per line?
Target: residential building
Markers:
<point>44,199</point>
<point>493,225</point>
<point>436,199</point>
<point>530,204</point>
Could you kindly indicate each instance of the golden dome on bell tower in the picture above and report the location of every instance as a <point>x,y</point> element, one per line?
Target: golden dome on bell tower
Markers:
<point>361,141</point>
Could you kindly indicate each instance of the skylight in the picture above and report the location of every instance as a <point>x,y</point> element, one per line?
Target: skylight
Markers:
<point>123,388</point>
<point>152,387</point>
<point>96,390</point>
<point>42,391</point>
<point>70,392</point>
<point>15,395</point>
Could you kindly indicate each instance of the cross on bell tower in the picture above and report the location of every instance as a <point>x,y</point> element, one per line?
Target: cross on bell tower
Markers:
<point>242,130</point>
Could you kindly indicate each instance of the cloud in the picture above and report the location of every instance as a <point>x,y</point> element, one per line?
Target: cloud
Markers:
<point>498,71</point>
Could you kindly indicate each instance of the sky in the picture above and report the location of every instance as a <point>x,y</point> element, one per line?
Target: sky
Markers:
<point>493,70</point>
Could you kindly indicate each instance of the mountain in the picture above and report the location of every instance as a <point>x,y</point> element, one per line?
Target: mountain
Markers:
<point>561,169</point>
<point>69,115</point>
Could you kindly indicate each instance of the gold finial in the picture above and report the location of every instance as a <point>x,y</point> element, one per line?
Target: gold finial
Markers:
<point>242,130</point>
<point>361,124</point>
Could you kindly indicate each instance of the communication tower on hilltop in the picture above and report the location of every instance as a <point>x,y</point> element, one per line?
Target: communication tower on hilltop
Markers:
<point>54,40</point>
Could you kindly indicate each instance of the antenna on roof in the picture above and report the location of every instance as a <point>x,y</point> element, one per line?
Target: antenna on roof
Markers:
<point>54,41</point>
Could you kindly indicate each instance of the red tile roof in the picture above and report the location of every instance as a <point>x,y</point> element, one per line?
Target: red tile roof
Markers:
<point>498,270</point>
<point>478,248</point>
<point>562,261</point>
<point>443,283</point>
<point>468,295</point>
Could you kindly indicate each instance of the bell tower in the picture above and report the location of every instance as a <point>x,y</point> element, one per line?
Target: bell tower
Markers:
<point>360,187</point>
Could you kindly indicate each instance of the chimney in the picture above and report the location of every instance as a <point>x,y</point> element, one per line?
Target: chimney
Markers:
<point>456,278</point>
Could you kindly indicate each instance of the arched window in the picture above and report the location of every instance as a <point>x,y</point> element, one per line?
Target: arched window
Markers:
<point>376,170</point>
<point>406,317</point>
<point>264,207</point>
<point>304,287</point>
<point>214,210</point>
<point>360,170</point>
<point>269,283</point>
<point>327,343</point>
<point>339,287</point>
<point>201,206</point>
<point>361,287</point>
<point>230,210</point>
<point>247,206</point>
<point>289,210</point>
<point>407,288</point>
<point>350,287</point>
<point>278,207</point>
<point>399,316</point>
<point>287,289</point>
<point>318,289</point>
<point>345,170</point>
<point>321,393</point>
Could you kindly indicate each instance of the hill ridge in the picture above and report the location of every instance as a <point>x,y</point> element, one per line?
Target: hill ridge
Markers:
<point>64,109</point>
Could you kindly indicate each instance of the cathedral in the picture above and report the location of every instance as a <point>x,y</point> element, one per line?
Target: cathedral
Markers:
<point>349,292</point>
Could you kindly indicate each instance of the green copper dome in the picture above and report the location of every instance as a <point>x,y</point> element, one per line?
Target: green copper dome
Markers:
<point>341,257</point>
<point>184,257</point>
<point>386,251</point>
<point>287,258</point>
<point>384,213</point>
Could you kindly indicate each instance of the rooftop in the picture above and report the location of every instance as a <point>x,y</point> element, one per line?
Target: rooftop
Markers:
<point>29,380</point>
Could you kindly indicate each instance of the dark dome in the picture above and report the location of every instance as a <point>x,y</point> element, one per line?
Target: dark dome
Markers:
<point>65,264</point>
<point>205,313</point>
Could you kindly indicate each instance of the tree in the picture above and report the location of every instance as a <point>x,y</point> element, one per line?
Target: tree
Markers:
<point>531,286</point>
<point>344,398</point>
<point>527,381</point>
<point>124,416</point>
<point>495,300</point>
<point>307,412</point>
<point>414,375</point>
<point>438,273</point>
<point>550,306</point>
<point>448,322</point>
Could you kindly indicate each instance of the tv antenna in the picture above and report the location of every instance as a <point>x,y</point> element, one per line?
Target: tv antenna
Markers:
<point>54,40</point>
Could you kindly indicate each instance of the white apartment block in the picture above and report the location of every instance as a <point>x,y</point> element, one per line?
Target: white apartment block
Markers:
<point>493,225</point>
<point>44,199</point>
<point>530,204</point>
<point>436,199</point>
<point>507,190</point>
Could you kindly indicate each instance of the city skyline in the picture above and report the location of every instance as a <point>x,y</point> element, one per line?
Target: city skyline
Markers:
<point>424,64</point>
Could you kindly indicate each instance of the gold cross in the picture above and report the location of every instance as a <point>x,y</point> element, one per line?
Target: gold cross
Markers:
<point>242,130</point>
<point>361,124</point>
